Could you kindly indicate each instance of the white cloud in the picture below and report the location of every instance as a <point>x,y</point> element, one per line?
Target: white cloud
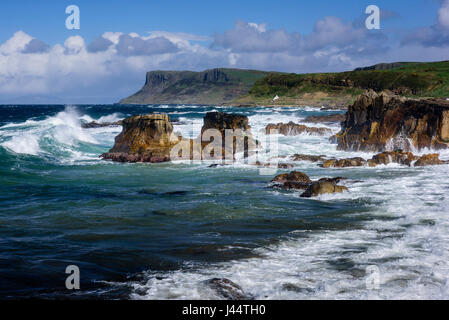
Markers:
<point>443,14</point>
<point>16,44</point>
<point>114,64</point>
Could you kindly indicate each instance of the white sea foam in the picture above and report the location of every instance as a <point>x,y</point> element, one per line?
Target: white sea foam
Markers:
<point>25,144</point>
<point>60,136</point>
<point>406,237</point>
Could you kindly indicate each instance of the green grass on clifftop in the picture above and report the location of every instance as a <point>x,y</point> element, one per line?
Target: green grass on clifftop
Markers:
<point>407,78</point>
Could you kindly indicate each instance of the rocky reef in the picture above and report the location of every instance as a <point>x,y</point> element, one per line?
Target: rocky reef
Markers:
<point>296,180</point>
<point>293,129</point>
<point>399,157</point>
<point>150,138</point>
<point>380,122</point>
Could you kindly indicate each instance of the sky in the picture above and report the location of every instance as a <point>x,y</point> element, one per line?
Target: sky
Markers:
<point>41,61</point>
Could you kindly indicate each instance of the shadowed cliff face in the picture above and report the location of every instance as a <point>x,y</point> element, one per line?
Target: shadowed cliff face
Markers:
<point>385,122</point>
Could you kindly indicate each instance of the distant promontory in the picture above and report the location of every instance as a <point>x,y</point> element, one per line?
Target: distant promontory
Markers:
<point>251,87</point>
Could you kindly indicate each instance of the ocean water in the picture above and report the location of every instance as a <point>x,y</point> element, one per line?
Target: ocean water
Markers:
<point>157,231</point>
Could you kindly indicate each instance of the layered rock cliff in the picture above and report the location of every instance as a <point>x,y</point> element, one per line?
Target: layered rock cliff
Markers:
<point>214,86</point>
<point>384,122</point>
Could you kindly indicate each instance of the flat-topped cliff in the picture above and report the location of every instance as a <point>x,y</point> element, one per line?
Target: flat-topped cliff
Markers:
<point>213,86</point>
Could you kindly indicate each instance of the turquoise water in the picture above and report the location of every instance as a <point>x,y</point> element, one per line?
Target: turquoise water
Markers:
<point>156,231</point>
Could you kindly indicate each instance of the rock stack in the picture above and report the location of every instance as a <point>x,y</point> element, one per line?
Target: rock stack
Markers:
<point>380,122</point>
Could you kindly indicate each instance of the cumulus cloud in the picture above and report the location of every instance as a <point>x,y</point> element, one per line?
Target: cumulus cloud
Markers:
<point>99,44</point>
<point>436,35</point>
<point>15,44</point>
<point>113,65</point>
<point>36,46</point>
<point>133,45</point>
<point>251,37</point>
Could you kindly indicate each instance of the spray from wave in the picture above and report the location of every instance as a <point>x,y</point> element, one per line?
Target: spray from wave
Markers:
<point>59,137</point>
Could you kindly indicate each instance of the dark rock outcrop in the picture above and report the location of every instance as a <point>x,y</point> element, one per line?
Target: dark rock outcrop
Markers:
<point>293,129</point>
<point>294,176</point>
<point>429,160</point>
<point>95,124</point>
<point>227,289</point>
<point>330,118</point>
<point>323,187</point>
<point>344,163</point>
<point>240,138</point>
<point>383,122</point>
<point>296,180</point>
<point>400,157</point>
<point>306,157</point>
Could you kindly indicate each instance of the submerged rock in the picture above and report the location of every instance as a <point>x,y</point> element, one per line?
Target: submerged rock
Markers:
<point>404,158</point>
<point>294,176</point>
<point>293,129</point>
<point>227,289</point>
<point>296,180</point>
<point>344,163</point>
<point>323,187</point>
<point>380,121</point>
<point>306,157</point>
<point>429,160</point>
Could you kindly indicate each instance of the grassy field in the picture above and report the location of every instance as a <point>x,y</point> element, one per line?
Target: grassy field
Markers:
<point>408,79</point>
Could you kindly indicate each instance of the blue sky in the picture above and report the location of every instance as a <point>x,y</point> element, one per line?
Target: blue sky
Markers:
<point>120,40</point>
<point>46,18</point>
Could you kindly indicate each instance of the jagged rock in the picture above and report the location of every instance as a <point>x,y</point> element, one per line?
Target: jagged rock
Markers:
<point>306,157</point>
<point>227,289</point>
<point>285,166</point>
<point>296,180</point>
<point>404,158</point>
<point>429,160</point>
<point>293,129</point>
<point>333,180</point>
<point>330,118</point>
<point>243,140</point>
<point>144,138</point>
<point>294,176</point>
<point>382,122</point>
<point>95,124</point>
<point>279,165</point>
<point>400,157</point>
<point>322,187</point>
<point>344,163</point>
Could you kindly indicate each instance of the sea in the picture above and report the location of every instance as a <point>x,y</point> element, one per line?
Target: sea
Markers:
<point>160,231</point>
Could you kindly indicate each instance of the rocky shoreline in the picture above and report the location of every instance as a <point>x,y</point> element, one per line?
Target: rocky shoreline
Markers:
<point>383,122</point>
